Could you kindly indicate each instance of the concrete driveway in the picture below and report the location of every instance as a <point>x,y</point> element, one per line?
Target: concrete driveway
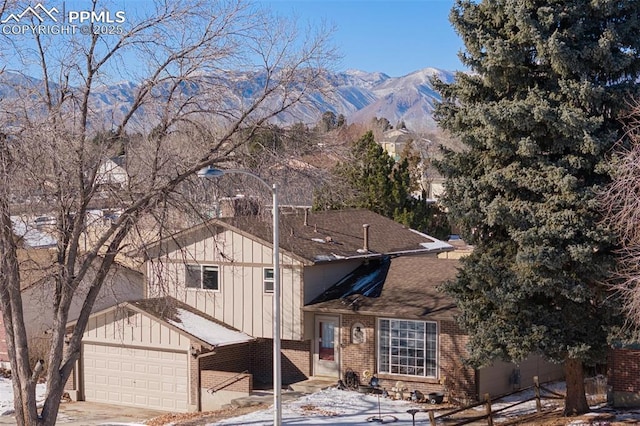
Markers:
<point>84,413</point>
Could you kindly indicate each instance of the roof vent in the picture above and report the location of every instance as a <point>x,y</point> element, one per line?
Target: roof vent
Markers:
<point>365,229</point>
<point>306,217</point>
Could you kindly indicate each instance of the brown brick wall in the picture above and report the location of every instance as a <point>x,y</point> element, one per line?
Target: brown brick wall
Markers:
<point>295,362</point>
<point>70,384</point>
<point>460,380</point>
<point>624,370</point>
<point>216,368</point>
<point>232,358</point>
<point>220,380</point>
<point>358,356</point>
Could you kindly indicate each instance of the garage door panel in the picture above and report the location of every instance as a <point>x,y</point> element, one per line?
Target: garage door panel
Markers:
<point>135,377</point>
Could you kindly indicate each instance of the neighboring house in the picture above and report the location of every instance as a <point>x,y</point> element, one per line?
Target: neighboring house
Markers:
<point>460,248</point>
<point>121,284</point>
<point>358,292</point>
<point>34,232</point>
<point>112,171</point>
<point>623,376</point>
<point>37,269</point>
<point>394,141</point>
<point>433,183</point>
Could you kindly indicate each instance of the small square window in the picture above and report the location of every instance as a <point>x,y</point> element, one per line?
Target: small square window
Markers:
<point>202,277</point>
<point>193,276</point>
<point>268,280</point>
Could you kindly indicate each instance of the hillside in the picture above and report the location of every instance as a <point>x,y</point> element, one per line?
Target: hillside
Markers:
<point>357,95</point>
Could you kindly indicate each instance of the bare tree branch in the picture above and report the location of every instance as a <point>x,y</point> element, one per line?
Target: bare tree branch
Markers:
<point>186,112</point>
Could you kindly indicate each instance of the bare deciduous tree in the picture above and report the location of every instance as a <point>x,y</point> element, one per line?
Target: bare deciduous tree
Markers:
<point>622,201</point>
<point>190,110</point>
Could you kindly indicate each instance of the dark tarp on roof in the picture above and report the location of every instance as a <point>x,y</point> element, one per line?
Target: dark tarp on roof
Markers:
<point>367,280</point>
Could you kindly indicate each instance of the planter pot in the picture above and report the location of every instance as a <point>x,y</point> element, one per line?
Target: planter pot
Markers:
<point>436,397</point>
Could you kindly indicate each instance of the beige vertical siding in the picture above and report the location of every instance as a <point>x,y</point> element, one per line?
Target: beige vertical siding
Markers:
<point>117,328</point>
<point>241,301</point>
<point>318,278</point>
<point>494,380</point>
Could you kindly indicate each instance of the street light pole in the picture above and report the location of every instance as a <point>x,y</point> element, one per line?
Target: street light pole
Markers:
<point>277,366</point>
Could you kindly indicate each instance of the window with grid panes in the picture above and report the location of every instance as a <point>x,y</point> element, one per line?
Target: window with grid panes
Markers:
<point>268,281</point>
<point>408,347</point>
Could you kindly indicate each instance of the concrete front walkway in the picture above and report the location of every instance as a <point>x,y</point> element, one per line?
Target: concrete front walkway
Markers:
<point>84,413</point>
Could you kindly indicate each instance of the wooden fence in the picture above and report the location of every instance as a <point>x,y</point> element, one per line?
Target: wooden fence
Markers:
<point>449,417</point>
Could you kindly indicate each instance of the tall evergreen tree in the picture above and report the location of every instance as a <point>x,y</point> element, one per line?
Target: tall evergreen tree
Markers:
<point>537,115</point>
<point>371,179</point>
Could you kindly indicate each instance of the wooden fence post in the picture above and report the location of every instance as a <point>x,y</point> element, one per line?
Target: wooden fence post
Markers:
<point>536,384</point>
<point>487,398</point>
<point>432,418</point>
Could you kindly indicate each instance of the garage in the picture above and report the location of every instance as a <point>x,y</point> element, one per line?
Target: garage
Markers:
<point>144,353</point>
<point>139,377</point>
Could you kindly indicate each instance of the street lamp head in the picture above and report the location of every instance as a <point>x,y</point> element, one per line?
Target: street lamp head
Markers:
<point>277,346</point>
<point>210,172</point>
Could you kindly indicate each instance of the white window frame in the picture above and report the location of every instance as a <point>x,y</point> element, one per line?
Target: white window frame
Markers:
<point>202,269</point>
<point>266,280</point>
<point>404,359</point>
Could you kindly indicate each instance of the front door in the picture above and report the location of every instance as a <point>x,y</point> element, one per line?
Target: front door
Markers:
<point>326,353</point>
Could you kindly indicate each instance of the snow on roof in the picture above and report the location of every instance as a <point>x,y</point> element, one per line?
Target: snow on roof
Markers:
<point>435,244</point>
<point>206,330</point>
<point>30,234</point>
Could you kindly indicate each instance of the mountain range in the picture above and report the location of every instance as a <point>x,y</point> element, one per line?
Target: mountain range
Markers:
<point>357,95</point>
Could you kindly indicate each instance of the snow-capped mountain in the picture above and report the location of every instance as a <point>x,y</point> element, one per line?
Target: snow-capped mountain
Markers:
<point>410,99</point>
<point>357,95</point>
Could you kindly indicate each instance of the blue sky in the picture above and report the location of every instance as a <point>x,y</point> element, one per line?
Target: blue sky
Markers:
<point>396,37</point>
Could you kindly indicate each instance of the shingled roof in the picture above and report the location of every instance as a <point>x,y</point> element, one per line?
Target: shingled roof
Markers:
<point>315,237</point>
<point>191,321</point>
<point>409,291</point>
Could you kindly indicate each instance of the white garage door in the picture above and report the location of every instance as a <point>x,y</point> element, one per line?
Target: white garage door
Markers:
<point>135,377</point>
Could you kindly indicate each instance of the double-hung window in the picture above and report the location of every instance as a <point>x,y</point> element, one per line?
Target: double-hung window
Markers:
<point>267,280</point>
<point>203,277</point>
<point>408,347</point>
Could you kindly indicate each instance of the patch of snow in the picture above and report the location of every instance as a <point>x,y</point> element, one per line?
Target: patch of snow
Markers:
<point>6,396</point>
<point>337,407</point>
<point>435,244</point>
<point>329,407</point>
<point>208,331</point>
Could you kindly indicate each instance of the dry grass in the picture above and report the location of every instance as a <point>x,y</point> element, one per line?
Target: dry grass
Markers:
<point>197,419</point>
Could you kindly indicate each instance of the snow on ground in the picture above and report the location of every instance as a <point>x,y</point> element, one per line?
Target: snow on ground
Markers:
<point>333,406</point>
<point>6,396</point>
<point>330,406</point>
<point>337,407</point>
